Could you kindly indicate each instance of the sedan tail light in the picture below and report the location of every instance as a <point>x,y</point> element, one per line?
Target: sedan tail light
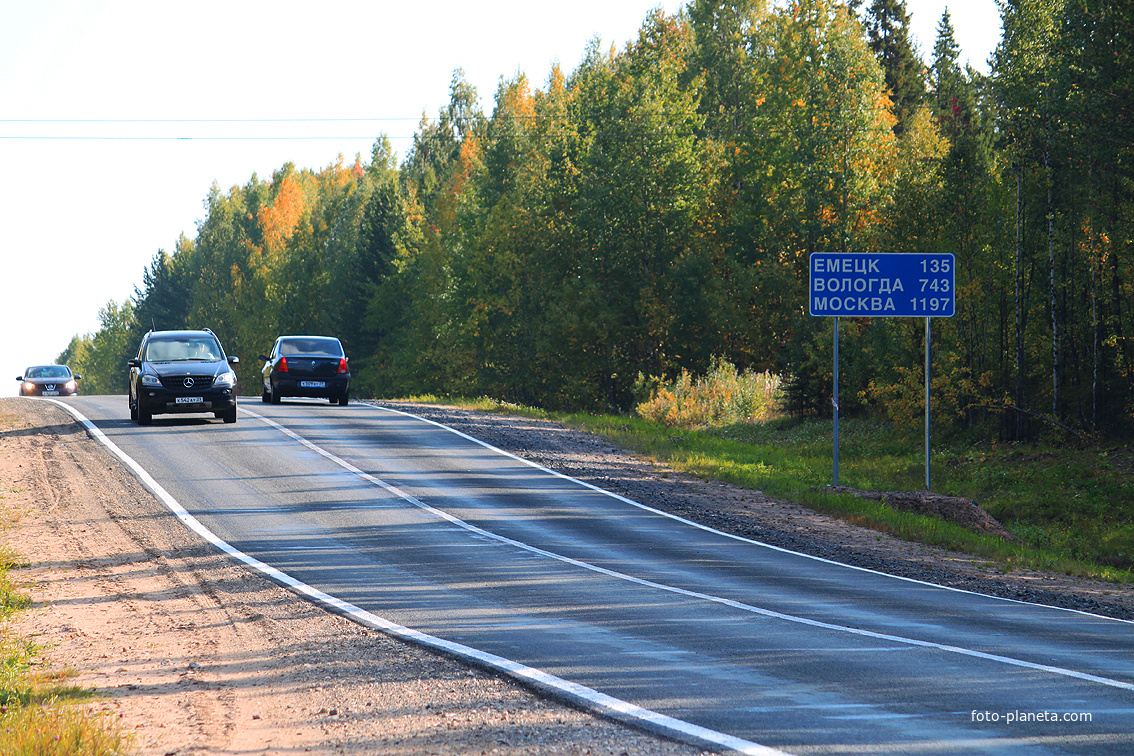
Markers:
<point>281,366</point>
<point>342,365</point>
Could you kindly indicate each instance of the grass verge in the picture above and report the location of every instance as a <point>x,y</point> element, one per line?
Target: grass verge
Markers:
<point>39,712</point>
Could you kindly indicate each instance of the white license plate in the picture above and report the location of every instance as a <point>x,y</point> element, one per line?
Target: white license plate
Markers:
<point>313,384</point>
<point>189,400</point>
<point>49,393</point>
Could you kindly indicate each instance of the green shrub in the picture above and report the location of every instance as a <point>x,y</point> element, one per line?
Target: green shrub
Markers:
<point>722,397</point>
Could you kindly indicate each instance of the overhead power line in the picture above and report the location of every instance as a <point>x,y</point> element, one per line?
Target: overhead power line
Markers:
<point>203,120</point>
<point>54,128</point>
<point>72,137</point>
<point>621,125</point>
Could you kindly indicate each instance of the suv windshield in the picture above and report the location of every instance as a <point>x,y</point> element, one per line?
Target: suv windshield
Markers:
<point>183,350</point>
<point>49,371</point>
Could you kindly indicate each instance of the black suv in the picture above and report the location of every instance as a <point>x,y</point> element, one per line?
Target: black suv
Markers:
<point>182,371</point>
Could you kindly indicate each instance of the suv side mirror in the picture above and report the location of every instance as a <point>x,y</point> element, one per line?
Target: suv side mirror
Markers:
<point>234,360</point>
<point>134,362</point>
<point>265,358</point>
<point>78,377</point>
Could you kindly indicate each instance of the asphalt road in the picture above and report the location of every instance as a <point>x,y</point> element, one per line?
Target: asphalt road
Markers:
<point>706,636</point>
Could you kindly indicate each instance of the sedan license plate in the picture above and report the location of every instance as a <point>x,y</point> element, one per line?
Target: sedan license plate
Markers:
<point>49,393</point>
<point>313,384</point>
<point>189,400</point>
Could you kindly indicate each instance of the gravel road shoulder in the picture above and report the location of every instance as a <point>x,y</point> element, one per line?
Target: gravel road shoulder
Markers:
<point>194,654</point>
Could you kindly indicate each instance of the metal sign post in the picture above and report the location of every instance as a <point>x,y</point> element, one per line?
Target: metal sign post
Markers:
<point>880,286</point>
<point>927,404</point>
<point>835,402</point>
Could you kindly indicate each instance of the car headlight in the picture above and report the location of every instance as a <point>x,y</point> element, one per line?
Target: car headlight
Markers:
<point>70,386</point>
<point>225,380</point>
<point>150,380</point>
<point>29,386</point>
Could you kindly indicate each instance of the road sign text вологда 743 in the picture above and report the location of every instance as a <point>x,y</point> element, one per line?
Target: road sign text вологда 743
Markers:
<point>876,286</point>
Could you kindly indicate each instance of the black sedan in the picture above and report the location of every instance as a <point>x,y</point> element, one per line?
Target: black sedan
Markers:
<point>49,380</point>
<point>306,366</point>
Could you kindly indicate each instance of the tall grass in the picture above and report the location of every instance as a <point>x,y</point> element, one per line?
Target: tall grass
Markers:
<point>723,396</point>
<point>39,714</point>
<point>57,728</point>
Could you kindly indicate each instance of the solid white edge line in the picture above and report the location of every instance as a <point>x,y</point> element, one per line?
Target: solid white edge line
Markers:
<point>588,698</point>
<point>1062,671</point>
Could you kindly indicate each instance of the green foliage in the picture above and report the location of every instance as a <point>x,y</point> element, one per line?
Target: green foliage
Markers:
<point>11,600</point>
<point>1060,71</point>
<point>16,655</point>
<point>101,358</point>
<point>164,302</point>
<point>901,401</point>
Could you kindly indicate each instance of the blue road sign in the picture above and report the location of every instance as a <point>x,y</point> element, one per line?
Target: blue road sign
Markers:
<point>881,285</point>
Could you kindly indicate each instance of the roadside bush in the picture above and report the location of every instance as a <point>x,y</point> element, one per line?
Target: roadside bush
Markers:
<point>724,396</point>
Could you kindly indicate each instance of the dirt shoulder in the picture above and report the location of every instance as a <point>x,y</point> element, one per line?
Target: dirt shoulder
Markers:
<point>194,654</point>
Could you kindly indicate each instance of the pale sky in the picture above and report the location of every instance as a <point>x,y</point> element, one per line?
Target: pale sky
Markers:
<point>117,116</point>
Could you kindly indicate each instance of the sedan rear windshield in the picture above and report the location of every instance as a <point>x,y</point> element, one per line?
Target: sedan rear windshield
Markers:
<point>183,350</point>
<point>312,345</point>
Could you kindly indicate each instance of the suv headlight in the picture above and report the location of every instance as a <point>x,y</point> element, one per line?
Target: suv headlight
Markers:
<point>225,380</point>
<point>150,380</point>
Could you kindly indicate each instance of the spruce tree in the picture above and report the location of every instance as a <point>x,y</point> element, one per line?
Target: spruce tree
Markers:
<point>888,32</point>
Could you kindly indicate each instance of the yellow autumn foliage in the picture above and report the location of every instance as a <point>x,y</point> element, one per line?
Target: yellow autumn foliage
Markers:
<point>722,397</point>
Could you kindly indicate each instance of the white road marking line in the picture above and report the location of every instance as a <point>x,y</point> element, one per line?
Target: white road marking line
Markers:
<point>682,591</point>
<point>708,529</point>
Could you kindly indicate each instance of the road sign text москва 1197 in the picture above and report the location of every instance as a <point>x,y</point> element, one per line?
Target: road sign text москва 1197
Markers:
<point>881,285</point>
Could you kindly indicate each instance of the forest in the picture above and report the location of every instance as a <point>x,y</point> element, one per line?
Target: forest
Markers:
<point>653,212</point>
